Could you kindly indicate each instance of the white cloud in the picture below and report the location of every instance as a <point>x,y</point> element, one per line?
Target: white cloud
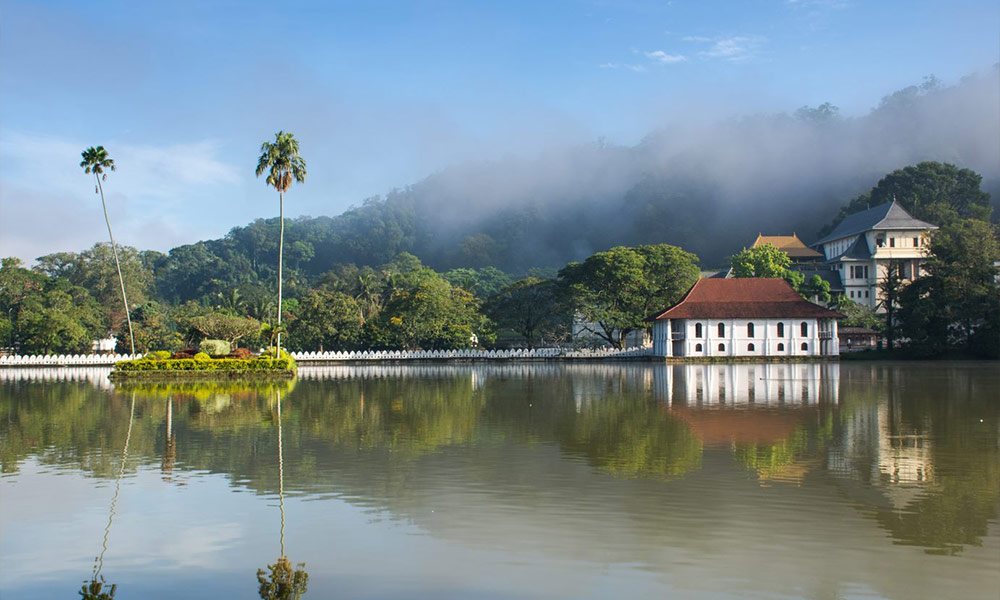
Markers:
<point>663,58</point>
<point>735,48</point>
<point>831,4</point>
<point>696,38</point>
<point>629,67</point>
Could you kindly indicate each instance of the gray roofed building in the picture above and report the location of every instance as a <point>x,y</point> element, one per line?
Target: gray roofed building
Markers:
<point>857,251</point>
<point>864,244</point>
<point>884,216</point>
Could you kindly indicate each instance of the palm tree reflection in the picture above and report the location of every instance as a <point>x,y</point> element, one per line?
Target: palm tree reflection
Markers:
<point>281,581</point>
<point>95,588</point>
<point>170,447</point>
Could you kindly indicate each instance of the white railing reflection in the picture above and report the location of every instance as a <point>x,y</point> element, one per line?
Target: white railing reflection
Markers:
<point>98,376</point>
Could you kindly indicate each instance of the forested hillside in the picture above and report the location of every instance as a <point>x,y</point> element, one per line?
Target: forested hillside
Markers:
<point>708,189</point>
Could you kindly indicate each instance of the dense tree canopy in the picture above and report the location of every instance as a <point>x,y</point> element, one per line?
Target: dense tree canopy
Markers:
<point>767,260</point>
<point>931,191</point>
<point>533,309</point>
<point>957,305</point>
<point>762,261</point>
<point>94,269</point>
<point>326,320</point>
<point>617,290</point>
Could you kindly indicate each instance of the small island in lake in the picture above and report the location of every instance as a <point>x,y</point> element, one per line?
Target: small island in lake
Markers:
<point>241,363</point>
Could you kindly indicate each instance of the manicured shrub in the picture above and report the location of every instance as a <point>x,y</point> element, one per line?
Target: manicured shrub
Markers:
<point>158,355</point>
<point>185,353</point>
<point>202,356</point>
<point>241,353</point>
<point>215,347</point>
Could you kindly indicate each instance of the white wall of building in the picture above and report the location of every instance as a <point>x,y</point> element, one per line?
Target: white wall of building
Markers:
<point>683,337</point>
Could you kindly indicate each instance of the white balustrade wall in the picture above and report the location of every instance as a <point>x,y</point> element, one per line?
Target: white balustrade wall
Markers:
<point>95,360</point>
<point>468,354</point>
<point>64,360</point>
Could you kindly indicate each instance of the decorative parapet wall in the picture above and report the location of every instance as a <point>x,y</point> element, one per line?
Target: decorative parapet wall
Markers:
<point>468,354</point>
<point>97,360</point>
<point>64,360</point>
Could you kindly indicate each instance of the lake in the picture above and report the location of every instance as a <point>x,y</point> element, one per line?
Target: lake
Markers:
<point>535,481</point>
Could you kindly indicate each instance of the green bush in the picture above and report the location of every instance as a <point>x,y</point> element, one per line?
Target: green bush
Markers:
<point>202,356</point>
<point>215,347</point>
<point>159,355</point>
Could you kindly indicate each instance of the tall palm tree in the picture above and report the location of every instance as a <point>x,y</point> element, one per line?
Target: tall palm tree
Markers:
<point>282,162</point>
<point>96,160</point>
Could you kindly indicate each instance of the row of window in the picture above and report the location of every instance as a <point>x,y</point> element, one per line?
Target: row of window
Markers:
<point>859,271</point>
<point>859,293</point>
<point>880,242</point>
<point>803,328</point>
<point>751,347</point>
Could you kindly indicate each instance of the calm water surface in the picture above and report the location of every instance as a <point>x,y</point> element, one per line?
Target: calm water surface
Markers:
<point>507,481</point>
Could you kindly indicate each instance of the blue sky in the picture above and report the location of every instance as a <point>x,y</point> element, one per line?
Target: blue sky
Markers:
<point>381,94</point>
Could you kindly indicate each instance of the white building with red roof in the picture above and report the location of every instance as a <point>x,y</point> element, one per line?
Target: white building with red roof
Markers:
<point>745,317</point>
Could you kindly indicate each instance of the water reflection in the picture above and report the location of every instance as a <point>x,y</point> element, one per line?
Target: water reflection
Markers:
<point>921,454</point>
<point>95,588</point>
<point>170,443</point>
<point>281,581</point>
<point>96,376</point>
<point>638,464</point>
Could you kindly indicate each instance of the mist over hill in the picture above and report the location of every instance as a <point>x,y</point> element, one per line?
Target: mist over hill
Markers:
<point>707,187</point>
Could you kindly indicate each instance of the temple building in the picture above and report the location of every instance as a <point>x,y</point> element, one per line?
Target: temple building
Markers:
<point>804,259</point>
<point>790,245</point>
<point>745,317</point>
<point>862,246</point>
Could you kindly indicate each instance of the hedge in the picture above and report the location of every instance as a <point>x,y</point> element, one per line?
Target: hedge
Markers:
<point>262,363</point>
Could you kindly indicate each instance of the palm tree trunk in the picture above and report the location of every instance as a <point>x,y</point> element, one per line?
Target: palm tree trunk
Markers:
<point>281,245</point>
<point>114,251</point>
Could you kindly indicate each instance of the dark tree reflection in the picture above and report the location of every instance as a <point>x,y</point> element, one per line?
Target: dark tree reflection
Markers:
<point>281,581</point>
<point>95,590</point>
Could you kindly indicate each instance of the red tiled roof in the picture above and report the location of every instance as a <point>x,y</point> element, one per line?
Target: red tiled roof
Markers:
<point>744,298</point>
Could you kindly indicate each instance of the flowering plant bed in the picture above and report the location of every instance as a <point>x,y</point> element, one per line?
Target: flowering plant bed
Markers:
<point>203,366</point>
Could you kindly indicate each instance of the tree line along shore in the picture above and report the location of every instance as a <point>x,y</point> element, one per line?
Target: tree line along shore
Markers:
<point>238,291</point>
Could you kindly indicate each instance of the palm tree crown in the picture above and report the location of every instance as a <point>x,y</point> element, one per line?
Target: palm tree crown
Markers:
<point>95,160</point>
<point>282,161</point>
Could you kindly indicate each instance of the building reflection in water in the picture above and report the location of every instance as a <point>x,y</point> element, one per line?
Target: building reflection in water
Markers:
<point>770,384</point>
<point>882,451</point>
